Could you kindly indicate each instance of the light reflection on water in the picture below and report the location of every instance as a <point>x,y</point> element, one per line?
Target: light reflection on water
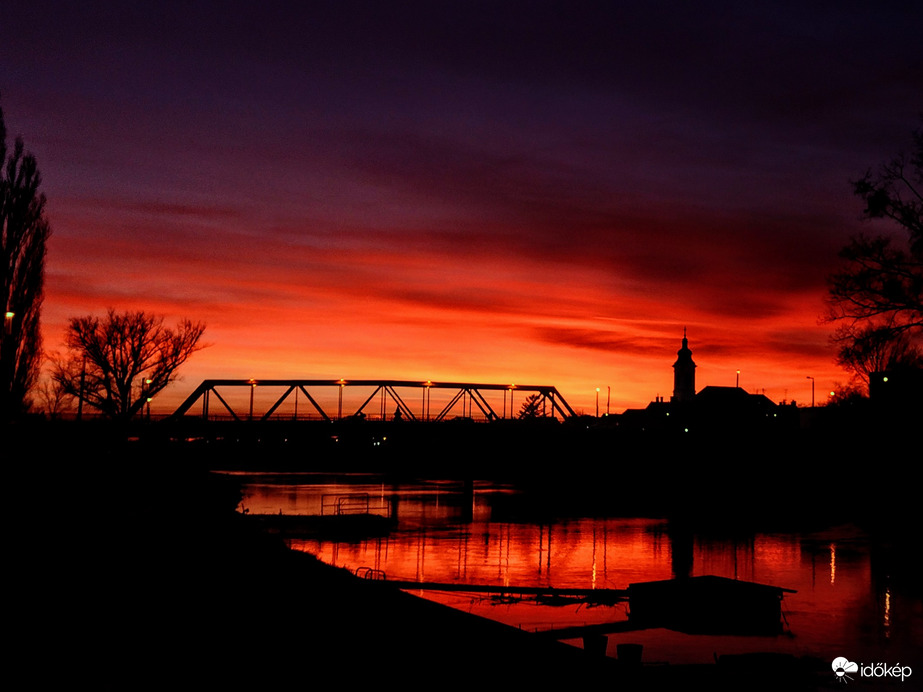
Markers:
<point>845,604</point>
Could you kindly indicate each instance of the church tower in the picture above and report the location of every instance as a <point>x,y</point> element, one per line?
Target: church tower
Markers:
<point>683,373</point>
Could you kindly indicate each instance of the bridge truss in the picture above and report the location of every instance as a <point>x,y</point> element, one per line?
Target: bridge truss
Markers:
<point>384,394</point>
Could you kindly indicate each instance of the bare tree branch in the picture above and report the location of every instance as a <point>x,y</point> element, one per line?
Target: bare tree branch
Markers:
<point>117,363</point>
<point>24,231</point>
<point>878,294</point>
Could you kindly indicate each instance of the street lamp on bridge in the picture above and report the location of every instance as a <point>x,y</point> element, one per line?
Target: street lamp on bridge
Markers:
<point>426,396</point>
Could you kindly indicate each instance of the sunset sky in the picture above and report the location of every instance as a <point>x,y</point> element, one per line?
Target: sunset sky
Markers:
<point>533,192</point>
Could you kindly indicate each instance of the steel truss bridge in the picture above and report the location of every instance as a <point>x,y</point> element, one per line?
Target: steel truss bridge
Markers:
<point>467,396</point>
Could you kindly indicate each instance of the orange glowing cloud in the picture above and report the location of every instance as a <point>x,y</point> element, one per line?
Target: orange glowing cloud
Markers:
<point>350,199</point>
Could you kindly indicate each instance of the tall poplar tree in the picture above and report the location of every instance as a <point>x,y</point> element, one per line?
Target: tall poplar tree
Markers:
<point>25,231</point>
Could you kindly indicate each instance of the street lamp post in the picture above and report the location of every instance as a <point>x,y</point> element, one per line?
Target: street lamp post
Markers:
<point>738,379</point>
<point>608,398</point>
<point>812,390</point>
<point>6,344</point>
<point>147,387</point>
<point>597,402</point>
<point>426,397</point>
<point>252,388</point>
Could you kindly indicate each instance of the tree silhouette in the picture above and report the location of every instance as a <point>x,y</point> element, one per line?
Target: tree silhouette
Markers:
<point>532,407</point>
<point>116,364</point>
<point>54,400</point>
<point>25,231</point>
<point>871,350</point>
<point>878,295</point>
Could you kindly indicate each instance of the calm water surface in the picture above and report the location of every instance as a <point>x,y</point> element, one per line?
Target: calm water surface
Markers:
<point>855,597</point>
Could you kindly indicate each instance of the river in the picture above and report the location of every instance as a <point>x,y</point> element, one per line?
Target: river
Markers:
<point>856,594</point>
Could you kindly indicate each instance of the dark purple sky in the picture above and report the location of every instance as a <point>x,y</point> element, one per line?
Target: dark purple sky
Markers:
<point>498,191</point>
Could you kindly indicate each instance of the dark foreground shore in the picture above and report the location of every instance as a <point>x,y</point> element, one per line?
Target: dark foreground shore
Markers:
<point>149,579</point>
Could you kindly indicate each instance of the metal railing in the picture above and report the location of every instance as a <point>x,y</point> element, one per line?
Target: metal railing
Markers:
<point>358,503</point>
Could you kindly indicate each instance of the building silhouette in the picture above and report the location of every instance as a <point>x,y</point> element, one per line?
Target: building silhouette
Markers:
<point>683,374</point>
<point>711,409</point>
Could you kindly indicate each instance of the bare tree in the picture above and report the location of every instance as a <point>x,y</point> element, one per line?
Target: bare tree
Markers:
<point>25,231</point>
<point>870,350</point>
<point>54,400</point>
<point>877,297</point>
<point>117,363</point>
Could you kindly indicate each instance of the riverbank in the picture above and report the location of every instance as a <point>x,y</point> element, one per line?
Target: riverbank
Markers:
<point>149,577</point>
<point>212,602</point>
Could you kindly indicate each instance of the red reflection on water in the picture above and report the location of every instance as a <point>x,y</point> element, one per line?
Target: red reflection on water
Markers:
<point>839,606</point>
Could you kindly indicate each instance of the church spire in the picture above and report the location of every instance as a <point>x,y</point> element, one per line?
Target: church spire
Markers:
<point>683,373</point>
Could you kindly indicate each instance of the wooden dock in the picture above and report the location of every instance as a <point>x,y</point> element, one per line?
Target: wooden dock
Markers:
<point>548,594</point>
<point>705,604</point>
<point>306,526</point>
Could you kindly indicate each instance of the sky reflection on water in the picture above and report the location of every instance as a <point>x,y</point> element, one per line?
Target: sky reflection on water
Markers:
<point>851,598</point>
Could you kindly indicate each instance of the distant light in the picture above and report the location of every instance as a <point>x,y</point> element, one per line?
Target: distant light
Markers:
<point>884,379</point>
